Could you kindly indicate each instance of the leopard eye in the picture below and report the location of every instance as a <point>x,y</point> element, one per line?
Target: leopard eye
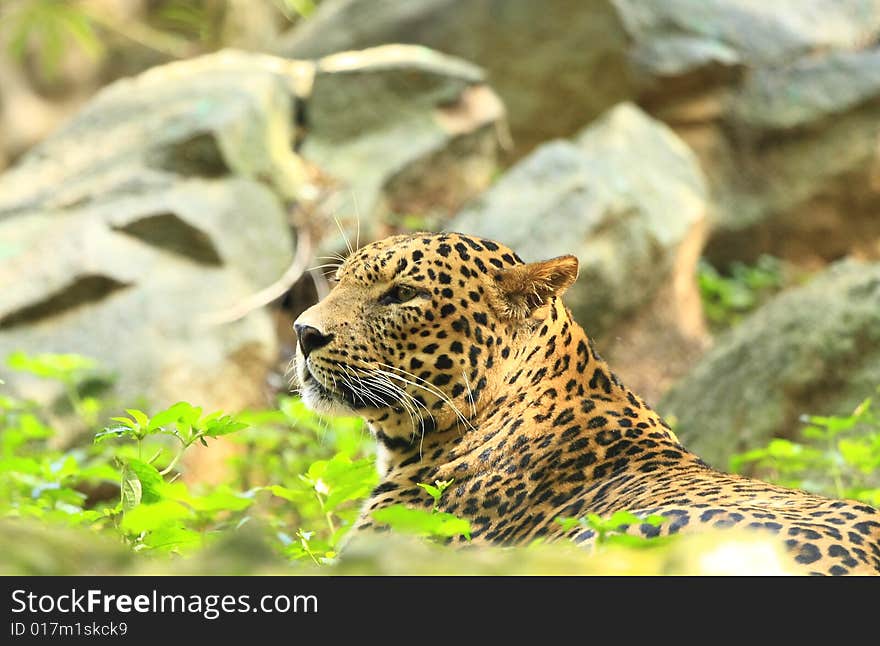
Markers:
<point>399,294</point>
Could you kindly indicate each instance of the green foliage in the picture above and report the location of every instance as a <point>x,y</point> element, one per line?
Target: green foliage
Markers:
<point>727,298</point>
<point>294,9</point>
<point>50,26</point>
<point>431,524</point>
<point>71,370</point>
<point>297,479</point>
<point>436,490</point>
<point>294,474</point>
<point>839,457</point>
<point>612,530</point>
<point>48,30</point>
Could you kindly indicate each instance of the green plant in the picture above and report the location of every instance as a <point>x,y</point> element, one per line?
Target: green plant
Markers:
<point>839,457</point>
<point>432,524</point>
<point>612,530</point>
<point>36,479</point>
<point>727,298</point>
<point>297,479</point>
<point>72,371</point>
<point>288,456</point>
<point>436,490</point>
<point>50,26</point>
<point>49,29</point>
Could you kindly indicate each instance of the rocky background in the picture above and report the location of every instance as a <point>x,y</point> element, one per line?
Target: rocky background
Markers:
<point>168,199</point>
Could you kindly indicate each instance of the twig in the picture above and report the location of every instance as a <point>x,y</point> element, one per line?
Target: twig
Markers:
<point>277,289</point>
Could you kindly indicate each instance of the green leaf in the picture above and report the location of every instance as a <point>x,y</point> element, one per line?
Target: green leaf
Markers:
<point>139,416</point>
<point>342,479</point>
<point>814,433</point>
<point>151,480</point>
<point>168,416</point>
<point>50,25</point>
<point>655,520</point>
<point>62,367</point>
<point>190,414</point>
<point>79,27</point>
<point>111,433</point>
<point>223,426</point>
<point>621,518</point>
<point>149,517</point>
<point>99,471</point>
<point>132,490</point>
<point>568,523</point>
<point>422,523</point>
<point>221,499</point>
<point>859,454</point>
<point>292,495</point>
<point>304,8</point>
<point>432,490</point>
<point>173,538</point>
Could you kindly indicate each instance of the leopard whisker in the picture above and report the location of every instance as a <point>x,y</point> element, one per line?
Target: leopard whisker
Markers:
<point>429,388</point>
<point>407,401</point>
<point>470,393</point>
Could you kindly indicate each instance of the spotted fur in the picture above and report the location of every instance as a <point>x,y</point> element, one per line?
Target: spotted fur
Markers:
<point>466,365</point>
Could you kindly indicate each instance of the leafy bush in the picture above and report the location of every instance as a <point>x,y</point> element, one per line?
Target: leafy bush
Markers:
<point>839,457</point>
<point>612,530</point>
<point>127,481</point>
<point>299,476</point>
<point>299,480</point>
<point>727,298</point>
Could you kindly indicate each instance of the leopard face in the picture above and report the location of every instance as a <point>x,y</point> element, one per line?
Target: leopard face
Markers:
<point>415,332</point>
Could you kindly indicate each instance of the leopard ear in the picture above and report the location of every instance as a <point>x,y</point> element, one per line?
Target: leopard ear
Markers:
<point>522,290</point>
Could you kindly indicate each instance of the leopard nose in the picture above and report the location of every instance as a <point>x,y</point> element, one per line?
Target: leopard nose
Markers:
<point>310,338</point>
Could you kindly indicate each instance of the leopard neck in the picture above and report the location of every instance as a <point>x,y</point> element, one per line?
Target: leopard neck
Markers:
<point>555,390</point>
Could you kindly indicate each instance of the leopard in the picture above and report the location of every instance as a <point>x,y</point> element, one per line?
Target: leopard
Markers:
<point>468,368</point>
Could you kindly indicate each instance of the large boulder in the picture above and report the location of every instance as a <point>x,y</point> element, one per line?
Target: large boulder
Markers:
<point>803,170</point>
<point>559,63</point>
<point>229,113</point>
<point>778,100</point>
<point>403,131</point>
<point>627,197</point>
<point>131,282</point>
<point>812,350</point>
<point>683,37</point>
<point>556,64</point>
<point>159,204</point>
<point>134,233</point>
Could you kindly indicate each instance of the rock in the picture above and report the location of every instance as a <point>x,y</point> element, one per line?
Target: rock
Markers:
<point>130,281</point>
<point>804,170</point>
<point>555,64</point>
<point>628,198</point>
<point>585,56</point>
<point>814,349</point>
<point>694,33</point>
<point>780,107</point>
<point>165,202</point>
<point>158,205</point>
<point>778,103</point>
<point>403,130</point>
<point>225,113</point>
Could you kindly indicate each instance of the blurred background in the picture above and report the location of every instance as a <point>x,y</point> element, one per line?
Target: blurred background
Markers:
<point>176,174</point>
